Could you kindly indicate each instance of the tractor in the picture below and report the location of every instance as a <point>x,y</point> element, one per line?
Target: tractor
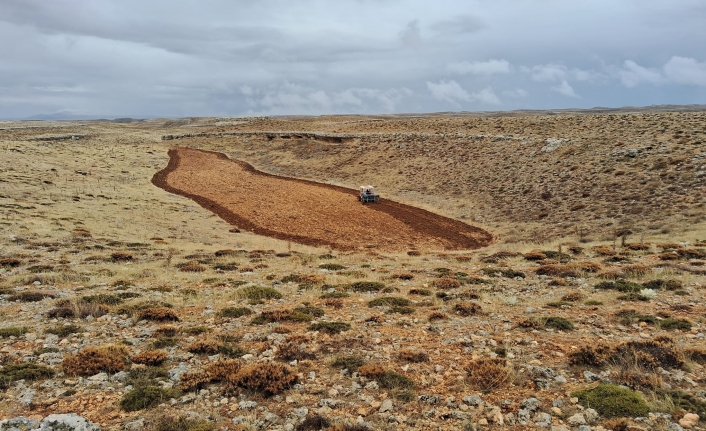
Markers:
<point>367,195</point>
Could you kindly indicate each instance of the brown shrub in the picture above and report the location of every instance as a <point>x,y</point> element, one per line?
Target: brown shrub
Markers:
<point>61,312</point>
<point>268,379</point>
<point>437,315</point>
<point>403,276</point>
<point>413,355</point>
<point>488,374</point>
<point>464,259</point>
<point>636,378</point>
<point>119,256</point>
<point>638,247</point>
<point>371,371</point>
<point>221,253</point>
<point>535,255</point>
<point>9,262</point>
<point>294,349</point>
<point>93,360</point>
<point>223,370</point>
<point>595,356</point>
<point>276,315</point>
<point>150,357</point>
<point>209,347</point>
<point>193,380</point>
<point>572,297</point>
<point>166,331</point>
<point>668,256</point>
<point>192,267</point>
<point>414,253</point>
<point>335,303</point>
<point>85,309</point>
<point>604,251</point>
<point>636,270</point>
<point>158,314</point>
<point>446,283</point>
<point>557,270</point>
<point>467,308</point>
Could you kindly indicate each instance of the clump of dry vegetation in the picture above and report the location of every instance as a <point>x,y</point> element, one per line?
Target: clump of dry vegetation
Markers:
<point>93,360</point>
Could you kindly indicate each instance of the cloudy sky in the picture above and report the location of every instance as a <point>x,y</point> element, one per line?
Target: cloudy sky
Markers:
<point>249,57</point>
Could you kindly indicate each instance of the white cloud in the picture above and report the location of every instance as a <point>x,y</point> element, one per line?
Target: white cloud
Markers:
<point>452,92</point>
<point>566,90</point>
<point>548,72</point>
<point>633,74</point>
<point>448,91</point>
<point>411,36</point>
<point>246,90</point>
<point>489,67</point>
<point>684,70</point>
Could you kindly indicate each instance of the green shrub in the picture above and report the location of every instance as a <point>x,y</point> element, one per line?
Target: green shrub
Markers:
<point>144,397</point>
<point>332,266</point>
<point>161,343</point>
<point>146,376</point>
<point>334,295</point>
<point>63,331</point>
<point>102,298</point>
<point>235,312</point>
<point>351,363</point>
<point>620,286</point>
<point>23,371</point>
<point>558,323</point>
<point>13,331</point>
<point>394,380</point>
<point>593,302</point>
<point>390,301</point>
<point>259,293</point>
<point>30,296</point>
<point>366,286</point>
<point>330,327</point>
<point>613,401</point>
<point>662,284</point>
<point>671,323</point>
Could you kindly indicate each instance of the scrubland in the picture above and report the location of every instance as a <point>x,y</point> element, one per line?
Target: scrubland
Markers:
<point>139,309</point>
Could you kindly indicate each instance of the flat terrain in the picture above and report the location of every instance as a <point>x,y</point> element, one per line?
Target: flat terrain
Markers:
<point>140,307</point>
<point>308,212</point>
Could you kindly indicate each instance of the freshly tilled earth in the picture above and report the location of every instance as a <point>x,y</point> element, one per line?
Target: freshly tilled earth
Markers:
<point>308,212</point>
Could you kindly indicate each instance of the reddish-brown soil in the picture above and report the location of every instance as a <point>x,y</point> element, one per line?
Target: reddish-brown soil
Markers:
<point>307,212</point>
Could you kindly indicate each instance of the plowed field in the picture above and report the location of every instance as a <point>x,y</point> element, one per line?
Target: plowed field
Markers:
<point>307,212</point>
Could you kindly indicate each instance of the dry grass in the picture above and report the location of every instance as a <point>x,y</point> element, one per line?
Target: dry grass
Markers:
<point>93,360</point>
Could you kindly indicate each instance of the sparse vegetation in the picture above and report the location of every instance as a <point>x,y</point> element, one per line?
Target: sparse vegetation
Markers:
<point>613,401</point>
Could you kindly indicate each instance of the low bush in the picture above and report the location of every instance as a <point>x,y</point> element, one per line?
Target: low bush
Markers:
<point>467,309</point>
<point>446,283</point>
<point>13,331</point>
<point>158,314</point>
<point>330,327</point>
<point>178,423</point>
<point>365,286</point>
<point>613,401</point>
<point>23,371</point>
<point>620,286</point>
<point>332,266</point>
<point>386,379</point>
<point>102,298</point>
<point>192,267</point>
<point>10,262</point>
<point>208,347</point>
<point>413,355</point>
<point>268,379</point>
<point>63,331</point>
<point>314,422</point>
<point>670,285</point>
<point>234,312</point>
<point>572,297</point>
<point>145,397</point>
<point>351,363</point>
<point>121,257</point>
<point>30,296</point>
<point>402,276</point>
<point>420,292</point>
<point>433,317</point>
<point>259,293</point>
<point>679,324</point>
<point>93,360</point>
<point>150,357</point>
<point>488,374</point>
<point>389,301</point>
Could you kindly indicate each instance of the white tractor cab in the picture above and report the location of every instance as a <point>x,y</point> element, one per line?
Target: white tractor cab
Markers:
<point>367,195</point>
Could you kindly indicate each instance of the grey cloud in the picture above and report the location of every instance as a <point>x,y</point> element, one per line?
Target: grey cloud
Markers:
<point>465,24</point>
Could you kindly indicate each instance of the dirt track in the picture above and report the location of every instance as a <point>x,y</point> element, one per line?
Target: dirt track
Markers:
<point>307,212</point>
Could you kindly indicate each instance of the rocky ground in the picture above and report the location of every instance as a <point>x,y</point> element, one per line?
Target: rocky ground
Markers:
<point>137,309</point>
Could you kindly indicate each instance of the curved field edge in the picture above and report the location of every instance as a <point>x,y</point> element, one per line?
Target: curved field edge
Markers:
<point>422,221</point>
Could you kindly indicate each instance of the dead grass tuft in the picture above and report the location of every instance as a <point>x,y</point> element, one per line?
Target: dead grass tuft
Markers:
<point>93,360</point>
<point>488,374</point>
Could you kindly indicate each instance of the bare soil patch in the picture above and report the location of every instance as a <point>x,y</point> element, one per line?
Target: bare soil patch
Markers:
<point>307,212</point>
